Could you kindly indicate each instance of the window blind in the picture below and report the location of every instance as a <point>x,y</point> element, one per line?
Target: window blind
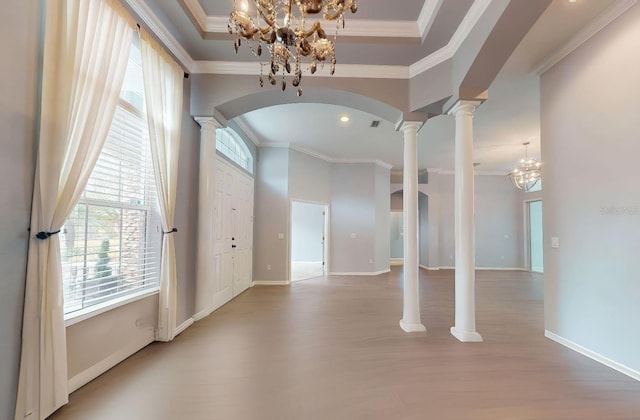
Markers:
<point>110,244</point>
<point>234,149</point>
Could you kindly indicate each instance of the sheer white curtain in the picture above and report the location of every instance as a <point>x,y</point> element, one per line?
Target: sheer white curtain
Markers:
<point>86,51</point>
<point>163,96</point>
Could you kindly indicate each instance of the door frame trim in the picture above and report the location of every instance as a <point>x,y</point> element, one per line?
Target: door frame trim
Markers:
<point>527,232</point>
<point>327,233</point>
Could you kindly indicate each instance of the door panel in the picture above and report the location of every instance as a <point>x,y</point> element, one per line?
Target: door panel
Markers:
<point>233,212</point>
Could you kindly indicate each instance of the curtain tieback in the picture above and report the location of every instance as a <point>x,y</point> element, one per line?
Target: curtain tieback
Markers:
<point>46,235</point>
<point>174,230</point>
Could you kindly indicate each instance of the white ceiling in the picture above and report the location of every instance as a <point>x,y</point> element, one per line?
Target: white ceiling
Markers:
<point>509,118</point>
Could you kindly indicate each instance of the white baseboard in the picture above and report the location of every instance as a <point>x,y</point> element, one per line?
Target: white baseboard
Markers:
<point>396,261</point>
<point>477,268</point>
<point>186,324</point>
<point>146,337</point>
<point>202,314</point>
<point>354,273</point>
<point>271,283</point>
<point>632,373</point>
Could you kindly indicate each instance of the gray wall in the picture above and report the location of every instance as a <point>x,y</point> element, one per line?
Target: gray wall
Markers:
<point>396,201</point>
<point>382,197</point>
<point>19,48</point>
<point>423,230</point>
<point>353,218</point>
<point>396,239</point>
<point>271,214</point>
<point>499,222</point>
<point>307,229</point>
<point>589,119</point>
<point>358,198</point>
<point>309,178</point>
<point>187,210</point>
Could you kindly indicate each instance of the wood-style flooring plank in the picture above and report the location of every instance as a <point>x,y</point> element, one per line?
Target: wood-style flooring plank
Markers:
<point>331,348</point>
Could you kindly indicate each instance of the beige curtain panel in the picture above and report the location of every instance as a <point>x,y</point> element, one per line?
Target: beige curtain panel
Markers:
<point>86,51</point>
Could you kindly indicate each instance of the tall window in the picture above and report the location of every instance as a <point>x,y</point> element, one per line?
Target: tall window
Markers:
<point>232,147</point>
<point>110,243</point>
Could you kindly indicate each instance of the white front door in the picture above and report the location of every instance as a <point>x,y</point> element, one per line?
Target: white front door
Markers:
<point>233,213</point>
<point>242,233</point>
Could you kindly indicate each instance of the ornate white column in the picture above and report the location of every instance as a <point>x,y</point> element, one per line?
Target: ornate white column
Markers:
<point>206,222</point>
<point>410,321</point>
<point>465,277</point>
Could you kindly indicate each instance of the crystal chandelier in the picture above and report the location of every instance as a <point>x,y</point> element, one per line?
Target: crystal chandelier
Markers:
<point>527,174</point>
<point>282,27</point>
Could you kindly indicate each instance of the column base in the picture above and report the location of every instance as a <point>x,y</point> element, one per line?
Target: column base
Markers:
<point>466,336</point>
<point>412,327</point>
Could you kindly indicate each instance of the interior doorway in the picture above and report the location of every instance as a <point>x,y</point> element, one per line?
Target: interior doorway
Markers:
<point>534,236</point>
<point>309,247</point>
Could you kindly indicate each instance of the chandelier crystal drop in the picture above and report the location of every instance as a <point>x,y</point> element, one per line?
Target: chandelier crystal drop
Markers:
<point>527,174</point>
<point>281,28</point>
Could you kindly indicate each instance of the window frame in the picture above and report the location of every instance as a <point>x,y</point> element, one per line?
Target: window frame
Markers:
<point>151,237</point>
<point>237,143</point>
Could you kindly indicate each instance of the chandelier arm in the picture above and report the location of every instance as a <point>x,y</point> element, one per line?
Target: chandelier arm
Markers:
<point>270,39</point>
<point>316,28</point>
<point>268,20</point>
<point>334,16</point>
<point>249,34</point>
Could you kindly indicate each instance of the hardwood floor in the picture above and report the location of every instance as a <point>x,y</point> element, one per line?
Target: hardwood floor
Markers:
<point>331,348</point>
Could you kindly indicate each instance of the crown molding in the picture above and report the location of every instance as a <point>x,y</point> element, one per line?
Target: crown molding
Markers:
<point>448,51</point>
<point>427,16</point>
<point>368,28</point>
<point>320,156</point>
<point>469,21</point>
<point>356,28</point>
<point>252,68</point>
<point>600,22</point>
<point>361,28</point>
<point>437,57</point>
<point>147,15</point>
<point>197,12</point>
<point>247,130</point>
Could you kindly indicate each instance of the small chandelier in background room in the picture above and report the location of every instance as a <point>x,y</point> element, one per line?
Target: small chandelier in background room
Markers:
<point>282,27</point>
<point>527,174</point>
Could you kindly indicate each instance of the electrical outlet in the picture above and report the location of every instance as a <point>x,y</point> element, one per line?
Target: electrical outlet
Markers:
<point>268,266</point>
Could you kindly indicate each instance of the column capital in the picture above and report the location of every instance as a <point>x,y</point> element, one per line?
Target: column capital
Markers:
<point>208,123</point>
<point>464,107</point>
<point>409,125</point>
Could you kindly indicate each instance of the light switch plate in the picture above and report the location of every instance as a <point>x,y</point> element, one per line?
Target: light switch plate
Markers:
<point>280,235</point>
<point>555,242</point>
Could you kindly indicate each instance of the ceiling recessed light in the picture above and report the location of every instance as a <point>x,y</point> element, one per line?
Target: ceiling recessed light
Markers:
<point>344,119</point>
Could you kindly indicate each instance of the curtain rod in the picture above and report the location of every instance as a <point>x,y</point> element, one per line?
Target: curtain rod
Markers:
<point>186,75</point>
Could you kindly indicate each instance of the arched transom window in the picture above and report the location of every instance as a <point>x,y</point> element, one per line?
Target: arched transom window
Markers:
<point>228,143</point>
